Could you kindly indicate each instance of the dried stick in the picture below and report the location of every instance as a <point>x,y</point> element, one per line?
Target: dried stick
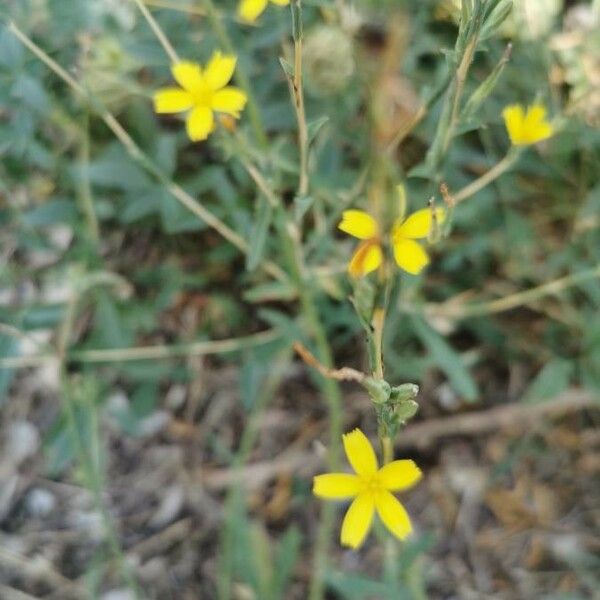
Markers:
<point>343,374</point>
<point>421,435</point>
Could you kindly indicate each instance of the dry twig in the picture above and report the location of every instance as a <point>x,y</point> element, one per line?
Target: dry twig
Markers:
<point>515,416</point>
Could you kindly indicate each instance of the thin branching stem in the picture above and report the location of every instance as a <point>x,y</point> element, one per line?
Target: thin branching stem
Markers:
<point>242,76</point>
<point>475,309</point>
<point>177,6</point>
<point>158,32</point>
<point>476,186</point>
<point>145,161</point>
<point>247,441</point>
<point>461,77</point>
<point>90,470</point>
<point>158,352</point>
<point>85,196</point>
<point>298,94</point>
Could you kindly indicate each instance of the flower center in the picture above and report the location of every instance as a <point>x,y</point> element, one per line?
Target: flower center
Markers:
<point>372,485</point>
<point>203,97</point>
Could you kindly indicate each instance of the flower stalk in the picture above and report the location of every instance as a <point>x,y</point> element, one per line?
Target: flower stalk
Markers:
<point>297,88</point>
<point>244,80</point>
<point>488,177</point>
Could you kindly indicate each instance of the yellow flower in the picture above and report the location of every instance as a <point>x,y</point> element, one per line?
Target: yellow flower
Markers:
<point>409,255</point>
<point>525,128</point>
<point>250,10</point>
<point>371,489</point>
<point>203,91</point>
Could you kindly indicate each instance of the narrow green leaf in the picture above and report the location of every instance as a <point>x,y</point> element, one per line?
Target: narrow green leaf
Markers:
<point>553,379</point>
<point>260,229</point>
<point>285,560</point>
<point>314,127</point>
<point>288,69</point>
<point>268,292</point>
<point>447,359</point>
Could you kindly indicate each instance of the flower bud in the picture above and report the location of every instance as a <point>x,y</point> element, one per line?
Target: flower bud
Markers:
<point>404,411</point>
<point>404,393</point>
<point>328,60</point>
<point>378,389</point>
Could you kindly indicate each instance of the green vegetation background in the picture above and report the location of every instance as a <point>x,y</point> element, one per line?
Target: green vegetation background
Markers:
<point>155,260</point>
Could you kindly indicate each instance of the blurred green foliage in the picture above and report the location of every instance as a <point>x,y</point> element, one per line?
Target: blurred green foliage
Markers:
<point>537,223</point>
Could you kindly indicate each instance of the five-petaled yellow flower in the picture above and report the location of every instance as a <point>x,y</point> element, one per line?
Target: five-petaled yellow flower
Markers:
<point>527,127</point>
<point>409,254</point>
<point>371,489</point>
<point>203,91</point>
<point>250,10</point>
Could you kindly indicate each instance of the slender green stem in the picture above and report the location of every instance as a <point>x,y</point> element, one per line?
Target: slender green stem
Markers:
<point>461,311</point>
<point>158,352</point>
<point>158,32</point>
<point>464,50</point>
<point>292,242</point>
<point>329,388</point>
<point>377,323</point>
<point>290,237</point>
<point>90,469</point>
<point>386,442</point>
<point>86,199</point>
<point>387,448</point>
<point>242,76</point>
<point>499,169</point>
<point>272,382</point>
<point>461,76</point>
<point>298,95</point>
<point>177,6</point>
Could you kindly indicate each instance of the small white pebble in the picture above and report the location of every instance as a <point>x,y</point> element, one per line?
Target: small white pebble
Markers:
<point>169,507</point>
<point>154,423</point>
<point>40,502</point>
<point>60,235</point>
<point>175,397</point>
<point>566,547</point>
<point>23,441</point>
<point>118,595</point>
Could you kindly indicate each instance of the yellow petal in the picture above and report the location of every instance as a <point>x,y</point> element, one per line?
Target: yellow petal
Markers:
<point>393,515</point>
<point>514,115</point>
<point>172,100</point>
<point>535,114</point>
<point>336,486</point>
<point>366,258</point>
<point>250,10</point>
<point>419,224</point>
<point>359,224</point>
<point>541,132</point>
<point>360,453</point>
<point>399,475</point>
<point>410,256</point>
<point>535,127</point>
<point>527,128</point>
<point>229,100</point>
<point>219,70</point>
<point>188,75</point>
<point>200,123</point>
<point>357,521</point>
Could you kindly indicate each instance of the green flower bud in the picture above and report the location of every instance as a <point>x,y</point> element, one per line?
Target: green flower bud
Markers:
<point>404,393</point>
<point>405,410</point>
<point>378,389</point>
